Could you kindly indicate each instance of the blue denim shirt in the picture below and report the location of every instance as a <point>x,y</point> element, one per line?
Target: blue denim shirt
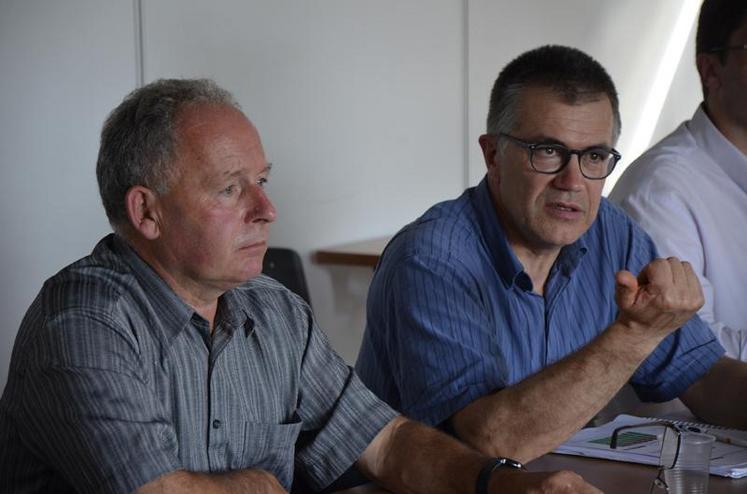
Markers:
<point>452,316</point>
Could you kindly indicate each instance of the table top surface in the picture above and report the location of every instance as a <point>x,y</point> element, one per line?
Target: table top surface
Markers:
<point>611,477</point>
<point>614,477</point>
<point>363,253</point>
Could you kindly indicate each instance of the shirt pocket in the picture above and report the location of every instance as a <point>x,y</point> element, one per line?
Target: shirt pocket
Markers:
<point>271,447</point>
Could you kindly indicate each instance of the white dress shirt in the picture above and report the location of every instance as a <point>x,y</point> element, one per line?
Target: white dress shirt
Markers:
<point>689,192</point>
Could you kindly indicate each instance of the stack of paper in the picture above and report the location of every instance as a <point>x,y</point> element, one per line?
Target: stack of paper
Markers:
<point>643,446</point>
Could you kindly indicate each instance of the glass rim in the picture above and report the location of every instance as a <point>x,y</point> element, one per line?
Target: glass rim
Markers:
<point>613,159</point>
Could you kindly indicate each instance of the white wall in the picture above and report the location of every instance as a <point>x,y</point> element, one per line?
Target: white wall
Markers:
<point>369,110</point>
<point>64,65</point>
<point>684,95</point>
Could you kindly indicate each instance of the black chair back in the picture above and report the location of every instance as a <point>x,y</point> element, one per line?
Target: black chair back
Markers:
<point>285,266</point>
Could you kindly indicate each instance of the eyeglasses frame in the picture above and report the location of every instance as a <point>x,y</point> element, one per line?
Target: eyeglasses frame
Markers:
<point>677,429</point>
<point>531,146</point>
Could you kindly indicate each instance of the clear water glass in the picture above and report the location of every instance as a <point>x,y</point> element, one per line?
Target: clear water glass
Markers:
<point>690,466</point>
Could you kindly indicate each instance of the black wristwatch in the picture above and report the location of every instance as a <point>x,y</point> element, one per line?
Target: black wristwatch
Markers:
<point>484,478</point>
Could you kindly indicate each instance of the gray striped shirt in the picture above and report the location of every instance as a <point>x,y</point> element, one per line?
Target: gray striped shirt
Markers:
<point>115,381</point>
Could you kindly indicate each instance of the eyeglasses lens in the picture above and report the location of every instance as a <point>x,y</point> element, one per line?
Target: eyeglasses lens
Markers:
<point>595,163</point>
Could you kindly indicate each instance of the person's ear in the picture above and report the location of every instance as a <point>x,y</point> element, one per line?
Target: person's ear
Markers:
<point>142,211</point>
<point>489,145</point>
<point>709,69</point>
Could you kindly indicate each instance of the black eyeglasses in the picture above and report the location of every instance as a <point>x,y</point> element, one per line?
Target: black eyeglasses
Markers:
<point>670,448</point>
<point>727,48</point>
<point>596,163</point>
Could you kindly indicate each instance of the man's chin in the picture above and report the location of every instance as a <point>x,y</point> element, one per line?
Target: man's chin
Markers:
<point>246,272</point>
<point>562,233</point>
<point>552,240</point>
<point>251,273</point>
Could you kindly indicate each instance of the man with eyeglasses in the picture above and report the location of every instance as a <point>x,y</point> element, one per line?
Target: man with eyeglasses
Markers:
<point>689,191</point>
<point>511,315</point>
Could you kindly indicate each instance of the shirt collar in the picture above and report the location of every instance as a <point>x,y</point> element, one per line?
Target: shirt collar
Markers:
<point>726,155</point>
<point>505,262</point>
<point>571,255</point>
<point>172,311</point>
<point>232,315</point>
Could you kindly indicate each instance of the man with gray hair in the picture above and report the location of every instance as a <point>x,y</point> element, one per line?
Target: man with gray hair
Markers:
<point>522,307</point>
<point>165,362</point>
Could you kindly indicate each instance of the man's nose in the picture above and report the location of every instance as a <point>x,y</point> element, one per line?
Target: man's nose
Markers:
<point>570,177</point>
<point>260,207</point>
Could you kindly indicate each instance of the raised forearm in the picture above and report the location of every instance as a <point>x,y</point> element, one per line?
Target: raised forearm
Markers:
<point>534,416</point>
<point>236,482</point>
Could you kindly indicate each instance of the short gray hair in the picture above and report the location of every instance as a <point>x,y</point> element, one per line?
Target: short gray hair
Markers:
<point>138,139</point>
<point>571,73</point>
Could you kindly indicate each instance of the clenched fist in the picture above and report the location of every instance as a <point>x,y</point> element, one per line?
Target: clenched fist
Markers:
<point>665,296</point>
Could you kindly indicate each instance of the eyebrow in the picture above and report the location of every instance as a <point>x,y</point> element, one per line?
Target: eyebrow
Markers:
<point>238,172</point>
<point>552,140</point>
<point>547,140</point>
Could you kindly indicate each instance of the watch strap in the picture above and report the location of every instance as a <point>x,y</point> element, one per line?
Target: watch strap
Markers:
<point>483,479</point>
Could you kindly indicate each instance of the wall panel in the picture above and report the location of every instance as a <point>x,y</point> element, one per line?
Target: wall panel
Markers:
<point>65,66</point>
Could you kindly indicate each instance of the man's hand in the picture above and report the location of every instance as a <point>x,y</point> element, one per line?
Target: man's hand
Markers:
<point>234,482</point>
<point>563,482</point>
<point>665,296</point>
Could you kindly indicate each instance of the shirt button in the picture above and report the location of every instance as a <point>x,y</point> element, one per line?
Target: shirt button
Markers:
<point>217,424</point>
